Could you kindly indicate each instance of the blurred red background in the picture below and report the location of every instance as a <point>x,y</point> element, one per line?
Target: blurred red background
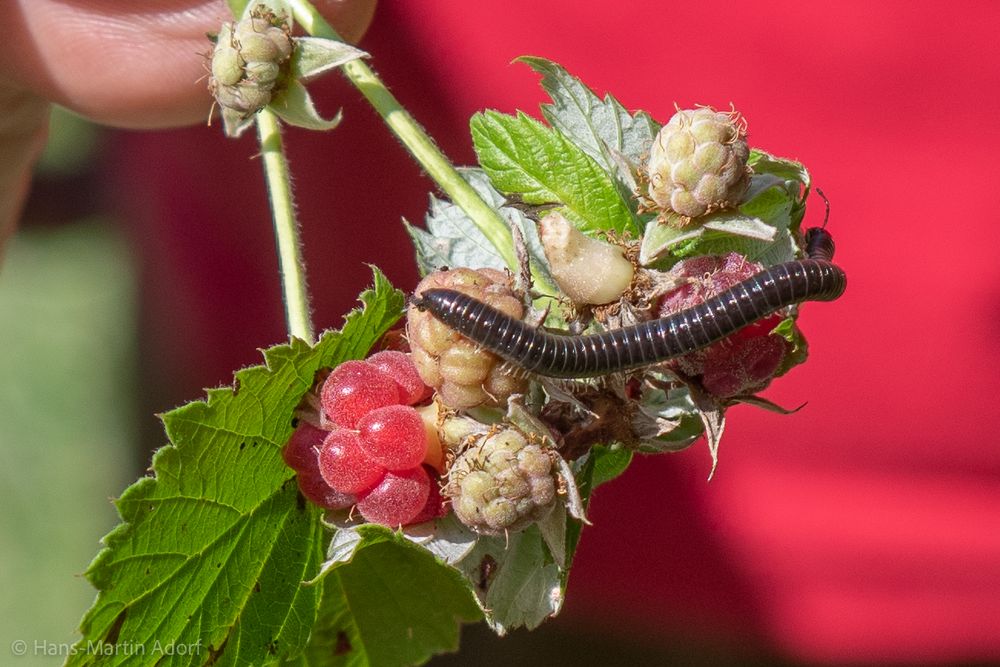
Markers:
<point>865,527</point>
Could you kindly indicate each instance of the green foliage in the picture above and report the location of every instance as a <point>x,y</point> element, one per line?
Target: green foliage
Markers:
<point>603,129</point>
<point>391,604</point>
<point>543,167</point>
<point>452,239</point>
<point>212,549</point>
<point>760,229</point>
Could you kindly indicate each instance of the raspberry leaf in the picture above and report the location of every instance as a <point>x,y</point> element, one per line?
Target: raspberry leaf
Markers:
<point>515,579</point>
<point>213,547</point>
<point>392,603</point>
<point>601,128</point>
<point>453,240</point>
<point>543,167</point>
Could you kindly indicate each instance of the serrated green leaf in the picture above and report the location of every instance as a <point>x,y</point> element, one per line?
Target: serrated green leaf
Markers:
<point>516,580</point>
<point>392,604</point>
<point>294,106</point>
<point>452,240</point>
<point>525,158</point>
<point>600,127</point>
<point>212,548</point>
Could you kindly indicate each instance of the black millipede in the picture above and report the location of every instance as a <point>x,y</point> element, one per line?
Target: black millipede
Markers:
<point>814,278</point>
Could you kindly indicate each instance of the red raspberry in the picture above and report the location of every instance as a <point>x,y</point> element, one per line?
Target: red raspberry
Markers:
<point>393,437</point>
<point>314,487</point>
<point>400,367</point>
<point>436,506</point>
<point>746,361</point>
<point>354,389</point>
<point>398,498</point>
<point>345,466</point>
<point>302,455</point>
<point>302,448</point>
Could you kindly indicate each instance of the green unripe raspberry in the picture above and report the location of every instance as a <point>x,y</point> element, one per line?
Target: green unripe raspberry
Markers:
<point>260,40</point>
<point>502,482</point>
<point>255,47</point>
<point>227,66</point>
<point>263,73</point>
<point>248,61</point>
<point>245,97</point>
<point>698,162</point>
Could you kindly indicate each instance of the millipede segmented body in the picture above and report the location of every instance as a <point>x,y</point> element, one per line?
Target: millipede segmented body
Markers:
<point>537,351</point>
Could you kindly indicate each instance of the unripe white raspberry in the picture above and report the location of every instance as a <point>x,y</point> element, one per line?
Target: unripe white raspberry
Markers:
<point>502,482</point>
<point>698,162</point>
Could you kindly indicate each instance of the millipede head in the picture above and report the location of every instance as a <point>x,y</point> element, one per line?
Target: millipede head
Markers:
<point>417,301</point>
<point>819,243</point>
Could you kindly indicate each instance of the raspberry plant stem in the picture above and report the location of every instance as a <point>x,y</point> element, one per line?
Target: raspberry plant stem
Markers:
<point>286,229</point>
<point>420,145</point>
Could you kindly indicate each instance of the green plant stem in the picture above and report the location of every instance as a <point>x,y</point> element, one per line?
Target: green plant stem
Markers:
<point>286,229</point>
<point>420,145</point>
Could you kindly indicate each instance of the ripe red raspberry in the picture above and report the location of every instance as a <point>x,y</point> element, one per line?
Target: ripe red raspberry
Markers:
<point>401,368</point>
<point>354,389</point>
<point>344,464</point>
<point>301,454</point>
<point>301,450</point>
<point>394,437</point>
<point>743,363</point>
<point>437,505</point>
<point>398,499</point>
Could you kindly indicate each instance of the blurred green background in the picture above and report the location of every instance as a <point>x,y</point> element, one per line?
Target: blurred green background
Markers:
<point>67,425</point>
